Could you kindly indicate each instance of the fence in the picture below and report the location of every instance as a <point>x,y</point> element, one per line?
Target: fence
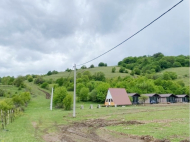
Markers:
<point>9,116</point>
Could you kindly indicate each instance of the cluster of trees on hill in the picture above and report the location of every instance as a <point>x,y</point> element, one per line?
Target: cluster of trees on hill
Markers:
<point>101,64</point>
<point>94,87</point>
<point>154,63</point>
<point>52,72</point>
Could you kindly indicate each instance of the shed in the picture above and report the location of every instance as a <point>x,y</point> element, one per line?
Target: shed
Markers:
<point>182,98</point>
<point>152,98</point>
<point>165,98</point>
<point>135,97</point>
<point>117,96</point>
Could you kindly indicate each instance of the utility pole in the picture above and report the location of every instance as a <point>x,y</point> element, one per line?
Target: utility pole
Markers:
<point>74,97</point>
<point>51,102</point>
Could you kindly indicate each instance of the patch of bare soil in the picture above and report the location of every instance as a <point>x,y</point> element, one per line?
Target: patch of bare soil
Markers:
<point>95,131</point>
<point>185,141</point>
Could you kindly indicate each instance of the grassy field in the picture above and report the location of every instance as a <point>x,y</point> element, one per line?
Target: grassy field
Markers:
<point>105,70</point>
<point>10,89</point>
<point>182,73</point>
<point>160,121</point>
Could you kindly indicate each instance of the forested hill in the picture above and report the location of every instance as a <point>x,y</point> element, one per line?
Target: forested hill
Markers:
<point>154,63</point>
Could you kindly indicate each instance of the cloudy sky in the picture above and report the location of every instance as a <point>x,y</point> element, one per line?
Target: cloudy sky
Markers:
<point>41,35</point>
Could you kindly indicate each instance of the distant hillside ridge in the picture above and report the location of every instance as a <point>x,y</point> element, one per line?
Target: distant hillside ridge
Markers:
<point>155,63</point>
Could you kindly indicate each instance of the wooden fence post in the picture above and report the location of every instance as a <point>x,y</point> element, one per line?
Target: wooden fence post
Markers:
<point>8,117</point>
<point>2,119</point>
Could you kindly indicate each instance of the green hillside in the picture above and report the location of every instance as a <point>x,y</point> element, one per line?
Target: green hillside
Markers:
<point>182,73</point>
<point>105,70</point>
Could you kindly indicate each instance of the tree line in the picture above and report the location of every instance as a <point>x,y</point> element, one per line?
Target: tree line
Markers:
<point>151,64</point>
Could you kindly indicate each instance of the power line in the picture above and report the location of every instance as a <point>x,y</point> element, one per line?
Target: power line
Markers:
<point>132,35</point>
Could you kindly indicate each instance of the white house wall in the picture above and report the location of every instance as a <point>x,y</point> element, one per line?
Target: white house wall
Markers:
<point>108,95</point>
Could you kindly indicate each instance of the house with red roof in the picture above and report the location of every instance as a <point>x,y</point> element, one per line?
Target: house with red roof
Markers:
<point>117,96</point>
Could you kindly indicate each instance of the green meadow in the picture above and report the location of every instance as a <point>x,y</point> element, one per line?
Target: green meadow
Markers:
<point>160,121</point>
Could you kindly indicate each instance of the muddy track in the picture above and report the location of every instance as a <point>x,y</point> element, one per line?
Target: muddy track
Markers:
<point>94,130</point>
<point>87,131</point>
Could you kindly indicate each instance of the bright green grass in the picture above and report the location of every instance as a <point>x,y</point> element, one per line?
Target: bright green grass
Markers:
<point>181,72</point>
<point>10,89</point>
<point>171,122</point>
<point>38,112</point>
<point>105,70</point>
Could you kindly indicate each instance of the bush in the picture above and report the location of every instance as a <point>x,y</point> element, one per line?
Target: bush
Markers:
<point>113,70</point>
<point>101,64</point>
<point>99,76</point>
<point>39,80</point>
<point>19,81</point>
<point>2,93</point>
<point>91,66</point>
<point>122,70</point>
<point>68,70</point>
<point>177,64</point>
<point>45,85</point>
<point>84,94</point>
<point>67,102</point>
<point>83,67</point>
<point>59,95</point>
<point>30,78</point>
<point>93,96</point>
<point>143,98</point>
<point>49,73</point>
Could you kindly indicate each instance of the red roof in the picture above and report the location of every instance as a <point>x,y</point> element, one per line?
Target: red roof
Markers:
<point>119,96</point>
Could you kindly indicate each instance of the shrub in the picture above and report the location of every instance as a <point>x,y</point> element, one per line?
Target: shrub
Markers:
<point>59,95</point>
<point>39,80</point>
<point>101,64</point>
<point>122,70</point>
<point>143,98</point>
<point>83,67</point>
<point>67,102</point>
<point>30,78</point>
<point>91,66</point>
<point>113,70</point>
<point>49,73</point>
<point>84,94</point>
<point>93,96</point>
<point>2,93</point>
<point>45,85</point>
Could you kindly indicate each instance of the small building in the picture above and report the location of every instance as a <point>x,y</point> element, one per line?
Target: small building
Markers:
<point>182,98</point>
<point>135,97</point>
<point>165,98</point>
<point>152,98</point>
<point>117,96</point>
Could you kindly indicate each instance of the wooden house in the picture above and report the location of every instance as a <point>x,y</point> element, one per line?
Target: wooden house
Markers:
<point>152,98</point>
<point>135,97</point>
<point>166,98</point>
<point>117,96</point>
<point>182,98</point>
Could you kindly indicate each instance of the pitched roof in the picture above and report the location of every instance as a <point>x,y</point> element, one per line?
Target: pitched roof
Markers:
<point>150,95</point>
<point>119,96</point>
<point>181,96</point>
<point>165,95</point>
<point>132,94</point>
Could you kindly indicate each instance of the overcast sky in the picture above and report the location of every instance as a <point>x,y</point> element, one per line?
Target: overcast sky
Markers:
<point>41,35</point>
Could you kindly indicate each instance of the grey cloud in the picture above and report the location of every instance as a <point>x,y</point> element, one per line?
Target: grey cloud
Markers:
<point>37,36</point>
